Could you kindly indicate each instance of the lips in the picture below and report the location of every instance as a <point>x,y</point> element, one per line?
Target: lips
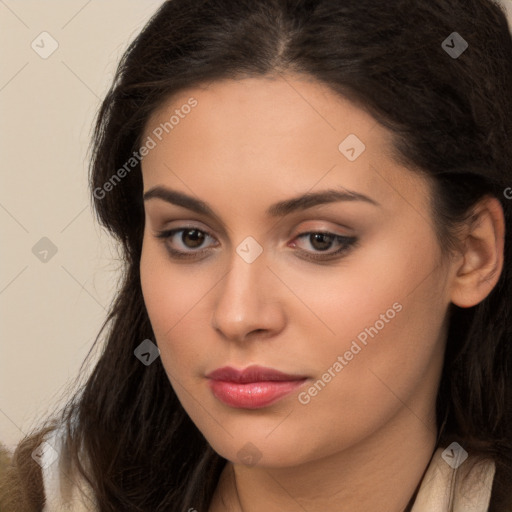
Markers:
<point>252,388</point>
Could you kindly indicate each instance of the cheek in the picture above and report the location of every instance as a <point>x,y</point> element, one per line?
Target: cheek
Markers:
<point>174,298</point>
<point>360,297</point>
<point>387,349</point>
<point>395,369</point>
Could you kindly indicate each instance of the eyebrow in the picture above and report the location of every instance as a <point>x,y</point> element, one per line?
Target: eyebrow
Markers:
<point>280,209</point>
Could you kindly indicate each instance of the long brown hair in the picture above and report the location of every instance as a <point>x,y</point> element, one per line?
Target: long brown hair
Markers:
<point>451,118</point>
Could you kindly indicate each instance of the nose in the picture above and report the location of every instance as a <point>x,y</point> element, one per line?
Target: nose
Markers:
<point>247,304</point>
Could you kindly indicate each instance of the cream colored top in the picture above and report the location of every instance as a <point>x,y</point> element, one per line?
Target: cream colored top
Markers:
<point>442,488</point>
<point>60,485</point>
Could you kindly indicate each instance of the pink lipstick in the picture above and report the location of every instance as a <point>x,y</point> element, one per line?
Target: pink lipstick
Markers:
<point>252,388</point>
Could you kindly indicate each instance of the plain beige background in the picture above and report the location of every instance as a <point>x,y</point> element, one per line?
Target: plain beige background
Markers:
<point>52,310</point>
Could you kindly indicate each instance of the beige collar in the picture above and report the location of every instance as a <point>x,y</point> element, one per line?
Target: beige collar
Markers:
<point>446,489</point>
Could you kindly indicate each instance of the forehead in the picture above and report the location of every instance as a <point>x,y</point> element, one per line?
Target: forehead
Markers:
<point>281,135</point>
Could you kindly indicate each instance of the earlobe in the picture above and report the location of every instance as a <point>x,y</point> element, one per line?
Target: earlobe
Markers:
<point>480,267</point>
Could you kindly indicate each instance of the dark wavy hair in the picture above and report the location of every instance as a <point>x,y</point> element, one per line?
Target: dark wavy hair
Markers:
<point>450,118</point>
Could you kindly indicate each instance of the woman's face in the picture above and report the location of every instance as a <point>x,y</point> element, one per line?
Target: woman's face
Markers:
<point>355,316</point>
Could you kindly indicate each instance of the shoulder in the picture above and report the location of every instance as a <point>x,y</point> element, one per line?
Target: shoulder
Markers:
<point>40,476</point>
<point>64,487</point>
<point>456,481</point>
<point>21,485</point>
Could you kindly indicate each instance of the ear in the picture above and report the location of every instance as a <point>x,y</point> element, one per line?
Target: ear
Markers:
<point>480,264</point>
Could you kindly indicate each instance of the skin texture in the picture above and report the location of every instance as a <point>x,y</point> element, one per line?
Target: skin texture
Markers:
<point>246,145</point>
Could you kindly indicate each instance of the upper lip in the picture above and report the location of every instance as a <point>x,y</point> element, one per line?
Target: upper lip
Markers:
<point>252,373</point>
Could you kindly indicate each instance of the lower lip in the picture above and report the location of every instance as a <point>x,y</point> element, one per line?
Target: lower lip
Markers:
<point>253,395</point>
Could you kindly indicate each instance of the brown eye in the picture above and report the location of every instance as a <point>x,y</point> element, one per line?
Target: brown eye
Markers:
<point>193,238</point>
<point>186,242</point>
<point>321,241</point>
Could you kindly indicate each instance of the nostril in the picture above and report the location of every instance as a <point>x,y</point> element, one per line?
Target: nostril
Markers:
<point>255,332</point>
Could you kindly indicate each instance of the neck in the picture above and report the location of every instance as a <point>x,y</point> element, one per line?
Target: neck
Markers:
<point>382,472</point>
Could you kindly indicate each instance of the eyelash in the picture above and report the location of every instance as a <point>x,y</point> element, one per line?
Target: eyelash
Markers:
<point>347,243</point>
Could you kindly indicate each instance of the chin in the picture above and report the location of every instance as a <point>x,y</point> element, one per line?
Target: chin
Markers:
<point>276,451</point>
